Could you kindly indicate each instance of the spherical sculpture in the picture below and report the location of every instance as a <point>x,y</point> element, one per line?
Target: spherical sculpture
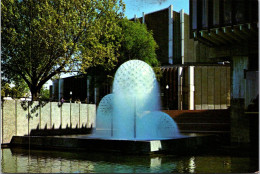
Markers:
<point>104,117</point>
<point>132,110</point>
<point>134,77</point>
<point>105,105</point>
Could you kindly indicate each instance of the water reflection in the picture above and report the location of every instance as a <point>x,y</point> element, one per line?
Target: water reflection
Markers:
<point>39,161</point>
<point>192,164</point>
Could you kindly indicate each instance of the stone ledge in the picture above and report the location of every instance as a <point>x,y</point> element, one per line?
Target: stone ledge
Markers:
<point>182,145</point>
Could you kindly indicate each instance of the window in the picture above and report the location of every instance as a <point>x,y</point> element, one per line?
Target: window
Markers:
<point>227,11</point>
<point>240,11</point>
<point>194,14</point>
<point>215,12</point>
<point>205,13</point>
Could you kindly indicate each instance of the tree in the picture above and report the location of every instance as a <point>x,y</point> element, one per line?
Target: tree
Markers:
<point>45,94</point>
<point>17,90</point>
<point>136,42</point>
<point>42,38</point>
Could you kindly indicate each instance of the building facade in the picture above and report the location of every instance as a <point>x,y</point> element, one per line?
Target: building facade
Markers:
<point>227,31</point>
<point>190,80</point>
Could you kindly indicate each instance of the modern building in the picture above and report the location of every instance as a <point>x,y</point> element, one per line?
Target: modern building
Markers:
<point>228,30</point>
<point>79,88</point>
<point>190,80</point>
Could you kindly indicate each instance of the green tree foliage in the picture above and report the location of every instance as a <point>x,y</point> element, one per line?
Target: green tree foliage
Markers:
<point>136,42</point>
<point>5,89</point>
<point>17,90</point>
<point>45,94</point>
<point>41,38</point>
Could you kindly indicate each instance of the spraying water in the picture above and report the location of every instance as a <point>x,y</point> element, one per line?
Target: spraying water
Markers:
<point>132,111</point>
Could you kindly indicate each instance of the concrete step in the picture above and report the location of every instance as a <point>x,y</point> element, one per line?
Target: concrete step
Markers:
<point>204,126</point>
<point>201,120</point>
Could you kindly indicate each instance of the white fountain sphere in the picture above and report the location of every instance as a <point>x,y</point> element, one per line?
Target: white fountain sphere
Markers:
<point>104,117</point>
<point>134,77</point>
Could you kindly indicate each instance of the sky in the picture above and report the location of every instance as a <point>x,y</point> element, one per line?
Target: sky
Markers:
<point>148,6</point>
<point>137,7</point>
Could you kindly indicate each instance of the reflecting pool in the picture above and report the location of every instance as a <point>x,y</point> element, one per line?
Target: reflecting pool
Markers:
<point>19,160</point>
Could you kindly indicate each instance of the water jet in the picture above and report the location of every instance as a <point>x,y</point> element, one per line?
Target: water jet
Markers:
<point>128,120</point>
<point>132,111</point>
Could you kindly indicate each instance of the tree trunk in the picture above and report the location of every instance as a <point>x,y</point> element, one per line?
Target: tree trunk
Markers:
<point>35,96</point>
<point>35,91</point>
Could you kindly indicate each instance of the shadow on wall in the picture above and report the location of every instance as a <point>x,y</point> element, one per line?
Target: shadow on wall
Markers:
<point>67,131</point>
<point>18,117</point>
<point>34,108</point>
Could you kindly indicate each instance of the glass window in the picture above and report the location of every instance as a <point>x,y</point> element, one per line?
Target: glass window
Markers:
<point>194,14</point>
<point>215,12</point>
<point>240,11</point>
<point>227,11</point>
<point>205,13</point>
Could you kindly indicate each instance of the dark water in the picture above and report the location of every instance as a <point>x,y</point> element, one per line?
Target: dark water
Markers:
<point>42,161</point>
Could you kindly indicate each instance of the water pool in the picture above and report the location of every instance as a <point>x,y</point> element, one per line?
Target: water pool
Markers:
<point>18,160</point>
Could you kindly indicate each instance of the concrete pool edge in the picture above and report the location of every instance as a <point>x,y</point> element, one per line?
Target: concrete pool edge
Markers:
<point>181,145</point>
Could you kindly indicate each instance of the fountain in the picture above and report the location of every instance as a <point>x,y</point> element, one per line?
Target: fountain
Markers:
<point>132,111</point>
<point>128,121</point>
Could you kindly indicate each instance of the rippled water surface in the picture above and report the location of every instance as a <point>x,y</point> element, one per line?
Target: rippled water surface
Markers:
<point>42,161</point>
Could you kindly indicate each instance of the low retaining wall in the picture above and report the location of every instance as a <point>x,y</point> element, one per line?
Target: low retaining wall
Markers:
<point>18,117</point>
<point>201,121</point>
<point>181,145</point>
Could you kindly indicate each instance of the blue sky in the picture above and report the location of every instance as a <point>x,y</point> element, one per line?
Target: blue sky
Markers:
<point>147,6</point>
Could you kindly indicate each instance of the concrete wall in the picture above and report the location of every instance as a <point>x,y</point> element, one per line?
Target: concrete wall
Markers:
<point>158,23</point>
<point>240,64</point>
<point>252,86</point>
<point>212,87</point>
<point>15,121</point>
<point>190,45</point>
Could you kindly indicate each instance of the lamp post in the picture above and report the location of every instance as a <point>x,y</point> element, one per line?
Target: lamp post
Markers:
<point>70,95</point>
<point>167,96</point>
<point>70,108</point>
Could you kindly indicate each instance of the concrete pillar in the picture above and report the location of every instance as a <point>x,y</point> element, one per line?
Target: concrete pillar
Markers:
<point>96,95</point>
<point>61,90</point>
<point>135,18</point>
<point>58,89</point>
<point>88,89</point>
<point>180,80</point>
<point>239,121</point>
<point>143,20</point>
<point>191,87</point>
<point>182,34</point>
<point>170,35</point>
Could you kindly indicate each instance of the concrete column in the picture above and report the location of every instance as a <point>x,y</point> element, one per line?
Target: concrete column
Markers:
<point>135,18</point>
<point>61,82</point>
<point>88,89</point>
<point>191,87</point>
<point>143,20</point>
<point>180,80</point>
<point>59,89</point>
<point>170,34</point>
<point>182,34</point>
<point>96,95</point>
